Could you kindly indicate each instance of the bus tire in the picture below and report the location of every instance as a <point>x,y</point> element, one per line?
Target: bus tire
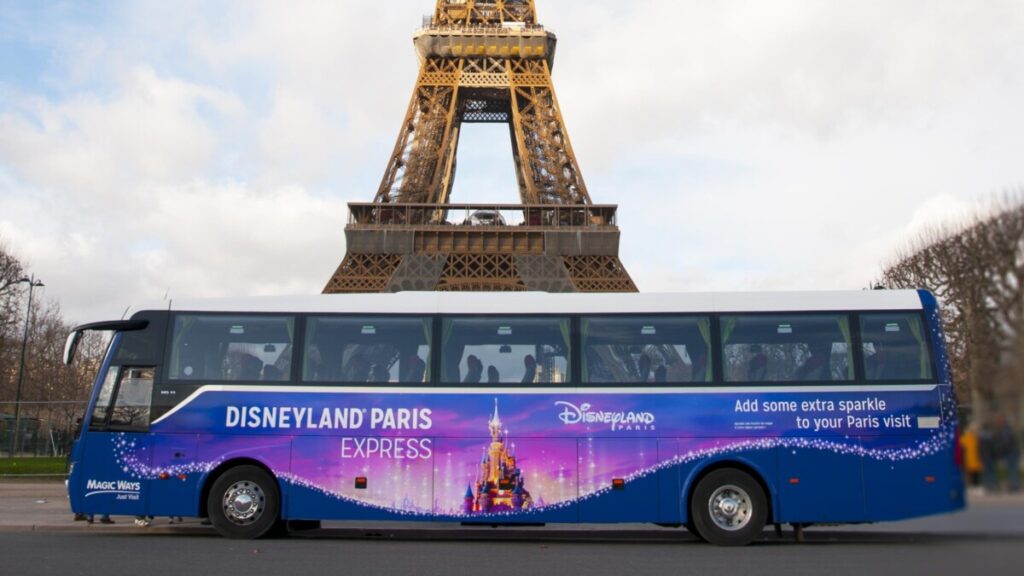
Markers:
<point>244,503</point>
<point>728,508</point>
<point>692,529</point>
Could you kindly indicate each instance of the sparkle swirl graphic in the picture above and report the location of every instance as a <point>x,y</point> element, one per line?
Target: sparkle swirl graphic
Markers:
<point>126,452</point>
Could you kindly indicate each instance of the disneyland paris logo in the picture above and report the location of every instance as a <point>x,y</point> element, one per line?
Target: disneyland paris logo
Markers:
<point>585,414</point>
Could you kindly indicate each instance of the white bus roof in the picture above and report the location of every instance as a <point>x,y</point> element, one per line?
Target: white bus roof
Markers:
<point>542,303</point>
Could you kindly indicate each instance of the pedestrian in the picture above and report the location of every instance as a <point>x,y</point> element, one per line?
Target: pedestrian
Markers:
<point>1008,451</point>
<point>1020,444</point>
<point>104,519</point>
<point>971,456</point>
<point>989,458</point>
<point>1013,464</point>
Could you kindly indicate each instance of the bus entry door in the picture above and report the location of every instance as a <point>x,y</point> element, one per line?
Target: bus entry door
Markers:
<point>116,450</point>
<point>111,472</point>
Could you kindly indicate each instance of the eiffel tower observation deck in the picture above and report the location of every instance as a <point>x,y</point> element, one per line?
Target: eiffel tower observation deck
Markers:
<point>482,61</point>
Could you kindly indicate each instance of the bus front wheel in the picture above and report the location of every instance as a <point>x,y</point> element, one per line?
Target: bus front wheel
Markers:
<point>728,508</point>
<point>244,503</point>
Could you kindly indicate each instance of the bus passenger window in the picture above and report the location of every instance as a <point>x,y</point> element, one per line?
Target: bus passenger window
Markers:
<point>510,350</point>
<point>646,349</point>
<point>895,347</point>
<point>232,348</point>
<point>790,348</point>
<point>369,349</point>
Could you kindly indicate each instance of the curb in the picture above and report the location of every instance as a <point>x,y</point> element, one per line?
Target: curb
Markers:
<point>105,528</point>
<point>474,534</point>
<point>549,535</point>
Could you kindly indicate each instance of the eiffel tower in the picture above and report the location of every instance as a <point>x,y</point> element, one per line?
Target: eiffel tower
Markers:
<point>482,61</point>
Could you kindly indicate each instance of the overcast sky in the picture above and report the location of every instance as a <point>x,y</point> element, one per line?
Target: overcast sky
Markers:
<point>209,148</point>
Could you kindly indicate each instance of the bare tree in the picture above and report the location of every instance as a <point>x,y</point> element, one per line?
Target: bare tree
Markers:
<point>977,270</point>
<point>10,319</point>
<point>53,395</point>
<point>60,390</point>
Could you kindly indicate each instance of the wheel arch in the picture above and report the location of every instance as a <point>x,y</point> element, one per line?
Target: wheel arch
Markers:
<point>742,464</point>
<point>223,467</point>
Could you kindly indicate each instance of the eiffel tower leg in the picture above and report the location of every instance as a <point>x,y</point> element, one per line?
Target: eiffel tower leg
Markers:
<point>429,137</point>
<point>550,169</point>
<point>520,169</point>
<point>447,172</point>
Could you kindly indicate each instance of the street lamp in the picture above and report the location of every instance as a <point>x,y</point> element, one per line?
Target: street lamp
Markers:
<point>33,283</point>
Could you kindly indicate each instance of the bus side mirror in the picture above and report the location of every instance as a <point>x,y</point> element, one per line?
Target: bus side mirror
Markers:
<point>70,346</point>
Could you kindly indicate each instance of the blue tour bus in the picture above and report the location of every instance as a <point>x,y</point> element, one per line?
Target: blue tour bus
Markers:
<point>723,413</point>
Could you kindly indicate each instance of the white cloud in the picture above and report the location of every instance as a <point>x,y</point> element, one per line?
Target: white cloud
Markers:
<point>193,240</point>
<point>205,148</point>
<point>295,143</point>
<point>225,240</point>
<point>340,76</point>
<point>85,146</point>
<point>804,65</point>
<point>792,141</point>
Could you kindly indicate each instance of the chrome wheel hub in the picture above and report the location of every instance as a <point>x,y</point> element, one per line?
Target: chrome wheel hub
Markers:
<point>730,508</point>
<point>244,502</point>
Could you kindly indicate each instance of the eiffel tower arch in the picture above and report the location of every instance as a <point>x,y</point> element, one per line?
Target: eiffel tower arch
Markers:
<point>482,61</point>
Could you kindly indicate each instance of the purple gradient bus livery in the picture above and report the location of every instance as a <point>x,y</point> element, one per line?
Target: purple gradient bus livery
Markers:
<point>721,413</point>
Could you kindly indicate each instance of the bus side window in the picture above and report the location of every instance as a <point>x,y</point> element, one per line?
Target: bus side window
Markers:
<point>646,349</point>
<point>895,347</point>
<point>505,350</point>
<point>232,348</point>
<point>367,349</point>
<point>787,348</point>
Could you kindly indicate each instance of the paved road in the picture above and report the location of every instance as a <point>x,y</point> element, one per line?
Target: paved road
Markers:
<point>37,536</point>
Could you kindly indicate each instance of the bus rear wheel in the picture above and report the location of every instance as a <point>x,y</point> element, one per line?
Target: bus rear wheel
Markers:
<point>728,508</point>
<point>244,503</point>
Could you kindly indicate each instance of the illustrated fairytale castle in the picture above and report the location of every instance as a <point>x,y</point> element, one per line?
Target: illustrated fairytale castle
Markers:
<point>499,486</point>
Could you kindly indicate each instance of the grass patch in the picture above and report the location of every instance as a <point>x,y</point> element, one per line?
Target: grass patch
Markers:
<point>19,466</point>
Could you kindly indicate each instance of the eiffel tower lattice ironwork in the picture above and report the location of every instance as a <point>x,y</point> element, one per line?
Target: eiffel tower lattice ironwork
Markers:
<point>482,61</point>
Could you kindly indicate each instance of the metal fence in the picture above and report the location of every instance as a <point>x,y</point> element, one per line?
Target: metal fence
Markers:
<point>44,429</point>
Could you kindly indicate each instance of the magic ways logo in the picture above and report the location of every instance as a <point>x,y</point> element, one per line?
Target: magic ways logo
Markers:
<point>123,489</point>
